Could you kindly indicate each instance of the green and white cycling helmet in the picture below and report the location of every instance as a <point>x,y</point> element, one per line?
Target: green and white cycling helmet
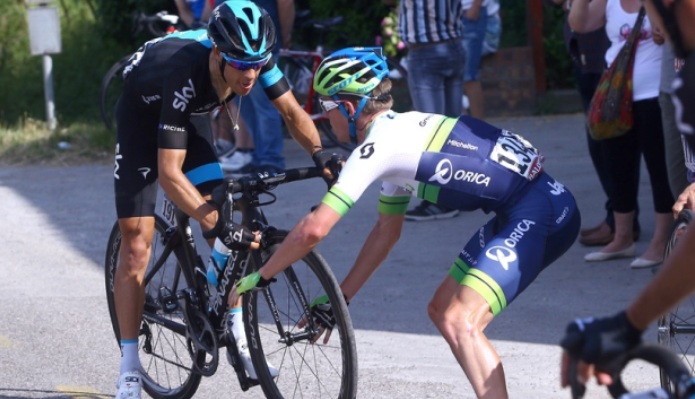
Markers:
<point>353,71</point>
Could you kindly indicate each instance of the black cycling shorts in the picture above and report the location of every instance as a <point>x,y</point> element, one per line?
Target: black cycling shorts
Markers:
<point>135,167</point>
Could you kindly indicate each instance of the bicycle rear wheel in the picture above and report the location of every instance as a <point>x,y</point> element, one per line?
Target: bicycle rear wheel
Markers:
<point>110,90</point>
<point>306,370</point>
<point>676,330</point>
<point>163,346</point>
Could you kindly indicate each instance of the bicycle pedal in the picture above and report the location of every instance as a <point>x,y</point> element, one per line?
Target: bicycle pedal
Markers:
<point>168,300</point>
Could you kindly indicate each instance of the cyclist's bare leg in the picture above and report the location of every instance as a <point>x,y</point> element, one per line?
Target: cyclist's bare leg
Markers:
<point>128,290</point>
<point>461,315</point>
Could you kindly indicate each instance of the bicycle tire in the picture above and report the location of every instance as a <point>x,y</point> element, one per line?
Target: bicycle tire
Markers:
<point>676,330</point>
<point>306,370</point>
<point>109,91</point>
<point>163,346</point>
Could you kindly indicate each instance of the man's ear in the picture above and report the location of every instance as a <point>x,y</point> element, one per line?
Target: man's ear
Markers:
<point>350,108</point>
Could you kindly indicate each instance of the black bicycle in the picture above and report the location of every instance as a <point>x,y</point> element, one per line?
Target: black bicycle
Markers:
<point>682,385</point>
<point>676,329</point>
<point>183,327</point>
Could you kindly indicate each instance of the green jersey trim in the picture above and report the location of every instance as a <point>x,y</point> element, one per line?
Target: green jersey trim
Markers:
<point>393,205</point>
<point>338,201</point>
<point>439,134</point>
<point>481,283</point>
<point>435,143</point>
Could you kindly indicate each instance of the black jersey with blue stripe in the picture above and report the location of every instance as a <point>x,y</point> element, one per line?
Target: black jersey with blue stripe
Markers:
<point>170,77</point>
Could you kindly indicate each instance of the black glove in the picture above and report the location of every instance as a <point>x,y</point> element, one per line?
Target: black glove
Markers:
<point>601,341</point>
<point>322,312</point>
<point>331,160</point>
<point>234,236</point>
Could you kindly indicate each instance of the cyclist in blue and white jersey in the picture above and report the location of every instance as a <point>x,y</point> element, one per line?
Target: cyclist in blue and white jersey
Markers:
<point>167,81</point>
<point>463,163</point>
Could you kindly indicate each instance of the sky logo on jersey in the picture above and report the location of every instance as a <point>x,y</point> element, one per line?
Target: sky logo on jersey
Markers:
<point>444,173</point>
<point>117,158</point>
<point>184,97</point>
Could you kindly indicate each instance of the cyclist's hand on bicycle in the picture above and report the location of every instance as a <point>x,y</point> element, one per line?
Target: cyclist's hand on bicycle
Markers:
<point>247,283</point>
<point>234,236</point>
<point>330,162</point>
<point>686,200</point>
<point>598,344</point>
<point>323,317</point>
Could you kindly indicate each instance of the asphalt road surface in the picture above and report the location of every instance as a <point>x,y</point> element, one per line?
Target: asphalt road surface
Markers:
<point>56,339</point>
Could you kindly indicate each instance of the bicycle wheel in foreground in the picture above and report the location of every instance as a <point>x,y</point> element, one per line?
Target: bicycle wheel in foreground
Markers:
<point>163,346</point>
<point>676,330</point>
<point>306,370</point>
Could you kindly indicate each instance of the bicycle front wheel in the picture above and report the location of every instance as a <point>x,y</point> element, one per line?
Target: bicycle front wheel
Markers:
<point>676,330</point>
<point>167,365</point>
<point>272,319</point>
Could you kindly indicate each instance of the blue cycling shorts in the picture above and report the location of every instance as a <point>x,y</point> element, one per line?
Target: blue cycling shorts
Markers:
<point>511,249</point>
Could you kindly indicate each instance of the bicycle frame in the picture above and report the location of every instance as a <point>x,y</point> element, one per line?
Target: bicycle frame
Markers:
<point>317,57</point>
<point>213,302</point>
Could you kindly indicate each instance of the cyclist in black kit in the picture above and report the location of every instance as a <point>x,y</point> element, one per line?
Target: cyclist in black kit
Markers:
<point>167,81</point>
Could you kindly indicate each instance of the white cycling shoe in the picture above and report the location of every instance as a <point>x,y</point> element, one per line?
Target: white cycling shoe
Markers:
<point>129,385</point>
<point>248,364</point>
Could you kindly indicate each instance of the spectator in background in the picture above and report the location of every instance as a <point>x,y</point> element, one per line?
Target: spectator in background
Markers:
<point>673,145</point>
<point>475,17</point>
<point>603,340</point>
<point>587,51</point>
<point>432,31</point>
<point>262,120</point>
<point>646,137</point>
<point>493,30</point>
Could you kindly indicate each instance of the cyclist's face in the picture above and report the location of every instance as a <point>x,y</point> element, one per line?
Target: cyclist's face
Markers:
<point>241,82</point>
<point>338,121</point>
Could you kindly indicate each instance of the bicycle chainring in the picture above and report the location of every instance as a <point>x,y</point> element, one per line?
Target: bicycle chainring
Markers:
<point>202,342</point>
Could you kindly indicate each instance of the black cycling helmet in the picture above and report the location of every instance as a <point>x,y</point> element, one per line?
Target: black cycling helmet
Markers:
<point>242,30</point>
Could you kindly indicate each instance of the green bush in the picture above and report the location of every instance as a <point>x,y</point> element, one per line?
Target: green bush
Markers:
<point>362,21</point>
<point>89,47</point>
<point>515,33</point>
<point>96,33</point>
